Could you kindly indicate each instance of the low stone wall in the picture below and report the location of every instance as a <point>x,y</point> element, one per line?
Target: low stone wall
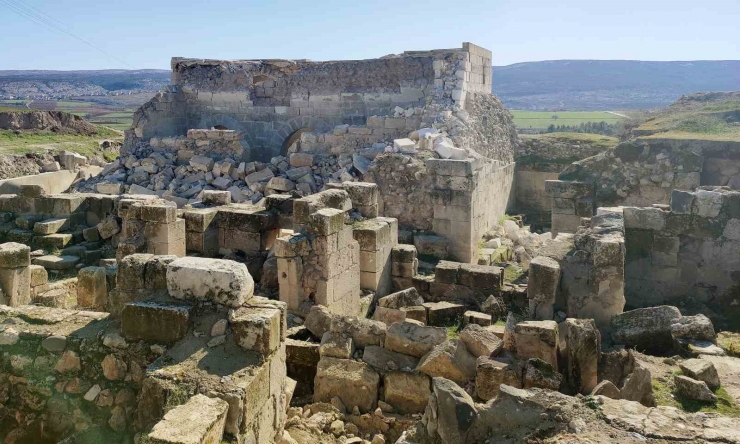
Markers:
<point>570,202</point>
<point>54,183</point>
<point>688,250</point>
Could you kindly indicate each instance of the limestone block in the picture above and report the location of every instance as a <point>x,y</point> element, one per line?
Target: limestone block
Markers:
<point>450,360</point>
<point>201,420</point>
<point>544,280</point>
<point>202,242</point>
<point>131,272</point>
<point>318,321</point>
<point>404,298</point>
<point>92,288</point>
<point>151,321</point>
<point>481,277</point>
<point>418,313</point>
<point>431,245</point>
<point>336,345</point>
<point>259,176</point>
<point>537,339</point>
<point>200,219</point>
<point>301,160</point>
<point>707,203</point>
<point>165,233</point>
<point>372,235</point>
<point>389,316</point>
<point>354,382</point>
<point>447,272</point>
<point>646,329</point>
<point>444,314</point>
<point>326,221</point>
<point>39,275</point>
<point>256,328</point>
<point>404,145</point>
<point>681,202</point>
<point>583,346</point>
<point>383,360</point>
<point>540,374</point>
<point>218,280</point>
<point>16,286</point>
<point>697,328</point>
<point>407,393</point>
<point>689,388</point>
<point>363,331</point>
<point>281,184</point>
<point>163,214</point>
<point>644,218</point>
<point>112,188</point>
<point>155,275</point>
<point>476,317</point>
<point>290,279</point>
<point>201,163</point>
<point>701,370</point>
<point>56,298</point>
<point>50,226</point>
<point>403,253</point>
<point>491,373</point>
<point>291,246</point>
<point>480,341</point>
<point>27,222</point>
<point>14,255</point>
<point>53,241</point>
<point>362,193</point>
<point>567,189</point>
<point>413,340</point>
<point>108,227</point>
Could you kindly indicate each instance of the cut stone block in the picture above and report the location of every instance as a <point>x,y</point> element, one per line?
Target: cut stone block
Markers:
<point>418,313</point>
<point>544,279</point>
<point>213,197</point>
<point>92,288</point>
<point>55,298</point>
<point>158,213</point>
<point>583,347</point>
<point>405,298</point>
<point>150,321</point>
<point>91,234</point>
<point>201,420</point>
<point>407,393</point>
<point>646,329</point>
<point>51,262</point>
<point>256,328</point>
<point>450,360</point>
<point>404,145</point>
<point>327,221</point>
<point>200,219</point>
<point>701,370</point>
<point>336,345</point>
<point>692,389</point>
<point>431,245</point>
<point>413,340</point>
<point>56,241</point>
<point>491,373</point>
<point>537,339</point>
<point>26,222</point>
<point>476,317</point>
<point>480,341</point>
<point>131,271</point>
<point>108,227</point>
<point>389,316</point>
<point>39,275</point>
<point>354,382</point>
<point>403,253</point>
<point>540,374</point>
<point>383,360</point>
<point>16,286</point>
<point>444,314</point>
<point>14,255</point>
<point>50,226</point>
<point>218,280</point>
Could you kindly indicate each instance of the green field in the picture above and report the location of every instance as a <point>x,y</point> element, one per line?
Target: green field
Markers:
<point>116,117</point>
<point>24,142</point>
<point>543,119</point>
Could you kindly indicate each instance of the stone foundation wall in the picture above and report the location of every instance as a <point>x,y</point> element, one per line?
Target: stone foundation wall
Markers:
<point>687,250</point>
<point>570,201</point>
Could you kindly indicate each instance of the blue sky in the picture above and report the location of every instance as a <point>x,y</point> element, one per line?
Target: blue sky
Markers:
<point>145,34</point>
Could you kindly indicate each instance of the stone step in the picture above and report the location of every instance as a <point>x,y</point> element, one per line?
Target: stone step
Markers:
<point>51,262</point>
<point>51,226</point>
<point>200,420</point>
<point>56,298</point>
<point>53,241</point>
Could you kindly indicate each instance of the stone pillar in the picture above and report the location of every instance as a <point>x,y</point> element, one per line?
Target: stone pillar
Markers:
<point>15,274</point>
<point>583,344</point>
<point>404,266</point>
<point>92,288</point>
<point>542,288</point>
<point>376,242</point>
<point>201,231</point>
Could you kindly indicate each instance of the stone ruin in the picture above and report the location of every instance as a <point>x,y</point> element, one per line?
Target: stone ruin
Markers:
<point>319,252</point>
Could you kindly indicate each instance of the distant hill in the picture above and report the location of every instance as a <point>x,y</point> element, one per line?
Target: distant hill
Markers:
<point>608,84</point>
<point>49,85</point>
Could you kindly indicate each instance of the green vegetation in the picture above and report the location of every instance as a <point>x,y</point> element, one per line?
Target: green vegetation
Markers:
<point>543,119</point>
<point>730,342</point>
<point>512,273</point>
<point>24,142</point>
<point>706,120</point>
<point>573,138</point>
<point>500,322</point>
<point>663,393</point>
<point>452,332</point>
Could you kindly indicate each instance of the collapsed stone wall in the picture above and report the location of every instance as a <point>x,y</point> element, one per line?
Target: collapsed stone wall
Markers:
<point>688,250</point>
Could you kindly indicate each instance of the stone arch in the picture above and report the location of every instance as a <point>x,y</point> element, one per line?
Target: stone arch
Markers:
<point>293,138</point>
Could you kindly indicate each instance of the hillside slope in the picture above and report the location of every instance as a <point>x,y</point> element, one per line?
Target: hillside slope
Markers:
<point>608,84</point>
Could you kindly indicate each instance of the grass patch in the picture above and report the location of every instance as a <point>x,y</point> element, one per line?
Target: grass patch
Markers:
<point>453,332</point>
<point>512,273</point>
<point>730,342</point>
<point>543,119</point>
<point>712,120</point>
<point>500,322</point>
<point>663,394</point>
<point>23,142</point>
<point>505,217</point>
<point>592,139</point>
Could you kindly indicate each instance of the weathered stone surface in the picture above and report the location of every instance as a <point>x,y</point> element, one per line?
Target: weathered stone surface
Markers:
<point>389,316</point>
<point>363,331</point>
<point>480,341</point>
<point>701,370</point>
<point>14,255</point>
<point>256,328</point>
<point>583,345</point>
<point>355,383</point>
<point>542,287</point>
<point>491,373</point>
<point>697,328</point>
<point>646,329</point>
<point>384,360</point>
<point>413,340</point>
<point>201,279</point>
<point>537,339</point>
<point>405,298</point>
<point>692,389</point>
<point>16,286</point>
<point>319,320</point>
<point>539,373</point>
<point>407,392</point>
<point>608,389</point>
<point>449,360</point>
<point>52,262</point>
<point>201,420</point>
<point>451,412</point>
<point>108,227</point>
<point>336,345</point>
<point>444,314</point>
<point>92,288</point>
<point>476,317</point>
<point>155,322</point>
<point>39,275</point>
